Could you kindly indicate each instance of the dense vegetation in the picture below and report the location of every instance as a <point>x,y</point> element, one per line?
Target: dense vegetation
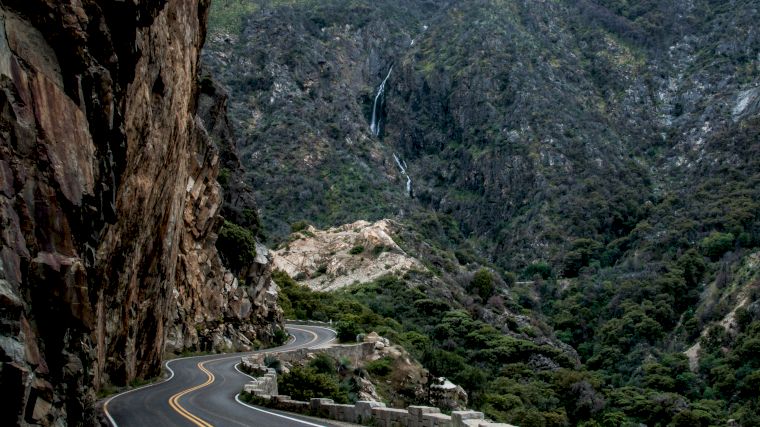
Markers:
<point>323,377</point>
<point>625,378</point>
<point>606,151</point>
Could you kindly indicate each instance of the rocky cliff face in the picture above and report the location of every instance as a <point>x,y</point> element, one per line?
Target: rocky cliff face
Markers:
<point>109,205</point>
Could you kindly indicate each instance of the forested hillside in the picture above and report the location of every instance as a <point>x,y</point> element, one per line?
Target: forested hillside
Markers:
<point>600,157</point>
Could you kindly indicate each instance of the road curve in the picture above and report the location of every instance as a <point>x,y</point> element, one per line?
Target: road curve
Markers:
<point>202,391</point>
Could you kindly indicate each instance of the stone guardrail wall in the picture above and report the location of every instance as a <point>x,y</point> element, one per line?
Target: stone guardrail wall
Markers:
<point>363,412</point>
<point>265,385</point>
<point>377,414</point>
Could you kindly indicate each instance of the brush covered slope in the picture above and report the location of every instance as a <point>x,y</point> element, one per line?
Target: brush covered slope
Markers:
<point>605,151</point>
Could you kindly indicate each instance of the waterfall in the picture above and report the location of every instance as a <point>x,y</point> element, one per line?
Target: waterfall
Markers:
<point>414,40</point>
<point>377,106</point>
<point>402,168</point>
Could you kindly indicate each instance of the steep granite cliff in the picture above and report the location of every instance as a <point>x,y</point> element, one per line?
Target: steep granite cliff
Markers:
<point>109,205</point>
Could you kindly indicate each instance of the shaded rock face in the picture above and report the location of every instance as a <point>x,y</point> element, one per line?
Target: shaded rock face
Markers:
<point>239,203</point>
<point>109,205</point>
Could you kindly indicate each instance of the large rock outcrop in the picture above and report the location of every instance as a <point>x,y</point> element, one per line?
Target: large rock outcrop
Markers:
<point>109,205</point>
<point>360,252</point>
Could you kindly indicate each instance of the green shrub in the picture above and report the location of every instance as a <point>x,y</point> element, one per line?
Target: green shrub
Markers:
<point>237,245</point>
<point>483,284</point>
<point>380,367</point>
<point>227,15</point>
<point>510,279</point>
<point>541,269</point>
<point>716,244</point>
<point>224,178</point>
<point>356,250</point>
<point>347,330</point>
<point>344,365</point>
<point>280,336</point>
<point>323,364</point>
<point>305,384</point>
<point>298,226</point>
<point>253,399</point>
<point>582,253</point>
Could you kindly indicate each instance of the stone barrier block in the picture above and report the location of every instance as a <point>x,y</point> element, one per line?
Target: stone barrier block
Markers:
<point>316,406</point>
<point>416,413</point>
<point>390,417</point>
<point>331,410</point>
<point>345,413</point>
<point>436,420</point>
<point>317,402</point>
<point>364,410</point>
<point>458,417</point>
<point>296,406</point>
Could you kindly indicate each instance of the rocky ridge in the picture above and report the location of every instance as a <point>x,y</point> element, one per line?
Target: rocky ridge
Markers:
<point>109,206</point>
<point>326,260</point>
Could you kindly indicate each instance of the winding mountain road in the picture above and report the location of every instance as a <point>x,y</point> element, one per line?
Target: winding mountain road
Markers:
<point>202,391</point>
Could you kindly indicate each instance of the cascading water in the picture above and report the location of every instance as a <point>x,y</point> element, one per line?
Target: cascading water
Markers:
<point>377,106</point>
<point>414,40</point>
<point>376,122</point>
<point>402,168</point>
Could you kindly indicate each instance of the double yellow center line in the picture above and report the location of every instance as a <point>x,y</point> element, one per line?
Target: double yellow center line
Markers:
<point>174,400</point>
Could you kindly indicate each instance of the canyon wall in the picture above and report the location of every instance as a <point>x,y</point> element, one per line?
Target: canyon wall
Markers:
<point>109,206</point>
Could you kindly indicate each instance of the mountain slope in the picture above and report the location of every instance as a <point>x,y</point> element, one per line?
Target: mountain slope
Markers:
<point>606,151</point>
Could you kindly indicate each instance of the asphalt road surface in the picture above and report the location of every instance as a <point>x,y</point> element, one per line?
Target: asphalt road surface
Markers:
<point>202,391</point>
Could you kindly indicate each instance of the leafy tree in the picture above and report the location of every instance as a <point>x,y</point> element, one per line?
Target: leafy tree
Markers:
<point>716,244</point>
<point>540,269</point>
<point>690,418</point>
<point>380,367</point>
<point>482,284</point>
<point>305,384</point>
<point>237,245</point>
<point>322,364</point>
<point>693,267</point>
<point>347,330</point>
<point>582,253</point>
